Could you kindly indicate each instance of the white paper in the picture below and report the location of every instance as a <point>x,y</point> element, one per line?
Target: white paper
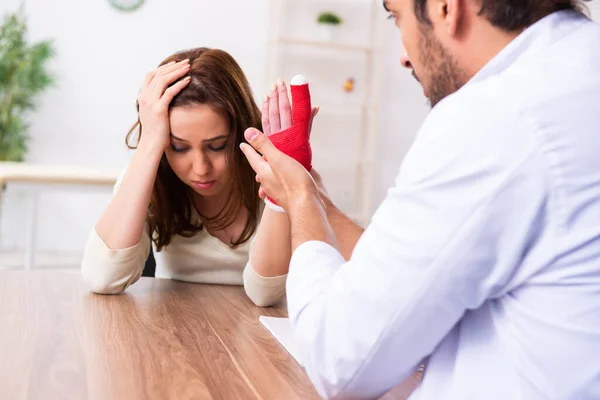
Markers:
<point>281,329</point>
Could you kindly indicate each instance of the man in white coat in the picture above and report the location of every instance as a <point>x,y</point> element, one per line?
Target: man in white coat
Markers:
<point>483,261</point>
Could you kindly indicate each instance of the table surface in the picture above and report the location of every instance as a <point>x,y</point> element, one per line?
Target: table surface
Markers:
<point>162,339</point>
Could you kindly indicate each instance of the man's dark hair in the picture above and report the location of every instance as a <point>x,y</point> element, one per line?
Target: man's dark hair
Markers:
<point>511,15</point>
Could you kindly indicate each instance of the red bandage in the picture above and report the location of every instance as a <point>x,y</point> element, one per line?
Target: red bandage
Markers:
<point>294,141</point>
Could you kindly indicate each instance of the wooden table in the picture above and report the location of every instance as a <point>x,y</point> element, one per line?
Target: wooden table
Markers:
<point>161,340</point>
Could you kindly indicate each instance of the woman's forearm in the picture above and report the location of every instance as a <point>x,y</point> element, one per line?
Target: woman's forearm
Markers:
<point>272,248</point>
<point>122,223</point>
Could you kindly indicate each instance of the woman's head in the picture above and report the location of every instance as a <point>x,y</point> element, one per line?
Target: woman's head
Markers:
<point>208,119</point>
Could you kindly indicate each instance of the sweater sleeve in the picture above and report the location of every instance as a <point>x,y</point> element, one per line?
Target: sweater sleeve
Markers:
<point>263,291</point>
<point>111,271</point>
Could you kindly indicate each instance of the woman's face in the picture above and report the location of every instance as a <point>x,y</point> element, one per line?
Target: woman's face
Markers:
<point>197,153</point>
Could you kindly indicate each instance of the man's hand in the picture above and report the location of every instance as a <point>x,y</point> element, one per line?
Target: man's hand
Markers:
<point>324,195</point>
<point>282,178</point>
<point>291,186</point>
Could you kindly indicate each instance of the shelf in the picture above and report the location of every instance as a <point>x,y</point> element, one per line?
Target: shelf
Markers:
<point>342,136</point>
<point>330,45</point>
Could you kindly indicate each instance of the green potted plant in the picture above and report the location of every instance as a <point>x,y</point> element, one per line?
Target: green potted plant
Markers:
<point>328,22</point>
<point>23,75</point>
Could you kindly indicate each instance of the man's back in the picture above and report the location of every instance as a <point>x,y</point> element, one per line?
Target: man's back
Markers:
<point>539,327</point>
<point>483,261</point>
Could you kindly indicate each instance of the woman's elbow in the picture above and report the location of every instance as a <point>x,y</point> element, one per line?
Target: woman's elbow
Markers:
<point>100,283</point>
<point>262,299</point>
<point>102,286</point>
<point>263,291</point>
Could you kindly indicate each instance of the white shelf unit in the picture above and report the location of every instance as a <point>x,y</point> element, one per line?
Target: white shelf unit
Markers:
<point>344,132</point>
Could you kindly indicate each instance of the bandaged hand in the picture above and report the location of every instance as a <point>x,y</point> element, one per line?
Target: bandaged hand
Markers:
<point>288,126</point>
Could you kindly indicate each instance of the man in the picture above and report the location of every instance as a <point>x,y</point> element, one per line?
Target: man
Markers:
<point>483,262</point>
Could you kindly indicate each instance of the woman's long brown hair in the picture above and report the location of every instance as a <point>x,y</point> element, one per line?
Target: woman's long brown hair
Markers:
<point>218,81</point>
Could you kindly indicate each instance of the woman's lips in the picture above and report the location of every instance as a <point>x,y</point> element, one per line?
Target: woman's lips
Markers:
<point>203,185</point>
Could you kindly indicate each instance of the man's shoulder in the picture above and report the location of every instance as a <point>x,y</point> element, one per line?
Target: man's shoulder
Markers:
<point>475,113</point>
<point>472,129</point>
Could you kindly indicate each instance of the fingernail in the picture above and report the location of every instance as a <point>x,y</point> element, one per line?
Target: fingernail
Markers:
<point>187,78</point>
<point>266,98</point>
<point>251,134</point>
<point>187,60</point>
<point>170,63</point>
<point>273,88</point>
<point>280,82</point>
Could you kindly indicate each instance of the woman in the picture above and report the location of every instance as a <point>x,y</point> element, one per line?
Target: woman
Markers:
<point>188,190</point>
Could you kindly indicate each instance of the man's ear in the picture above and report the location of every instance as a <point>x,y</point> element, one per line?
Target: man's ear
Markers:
<point>448,12</point>
<point>456,16</point>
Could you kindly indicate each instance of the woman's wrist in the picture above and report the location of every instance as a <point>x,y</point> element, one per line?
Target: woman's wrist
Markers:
<point>151,150</point>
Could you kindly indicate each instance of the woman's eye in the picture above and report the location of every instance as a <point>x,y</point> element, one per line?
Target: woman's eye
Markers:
<point>178,149</point>
<point>220,148</point>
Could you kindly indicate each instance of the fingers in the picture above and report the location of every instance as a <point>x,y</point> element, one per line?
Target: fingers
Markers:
<point>285,109</point>
<point>315,111</point>
<point>277,112</point>
<point>302,110</point>
<point>164,77</point>
<point>173,90</point>
<point>148,78</point>
<point>274,119</point>
<point>172,66</point>
<point>262,144</point>
<point>150,75</point>
<point>256,161</point>
<point>266,125</point>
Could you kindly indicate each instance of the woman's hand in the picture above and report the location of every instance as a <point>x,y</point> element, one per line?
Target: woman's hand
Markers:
<point>277,111</point>
<point>154,99</point>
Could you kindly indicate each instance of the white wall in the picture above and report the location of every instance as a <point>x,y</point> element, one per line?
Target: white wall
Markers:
<point>102,57</point>
<point>403,109</point>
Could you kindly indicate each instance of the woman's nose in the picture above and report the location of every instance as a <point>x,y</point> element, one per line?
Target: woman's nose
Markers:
<point>201,164</point>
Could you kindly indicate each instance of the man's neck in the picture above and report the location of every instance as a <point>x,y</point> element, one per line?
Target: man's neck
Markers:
<point>485,44</point>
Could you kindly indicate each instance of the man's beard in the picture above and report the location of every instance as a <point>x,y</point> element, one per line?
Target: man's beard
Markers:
<point>444,76</point>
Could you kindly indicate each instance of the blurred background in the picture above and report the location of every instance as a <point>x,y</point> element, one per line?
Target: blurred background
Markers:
<point>371,107</point>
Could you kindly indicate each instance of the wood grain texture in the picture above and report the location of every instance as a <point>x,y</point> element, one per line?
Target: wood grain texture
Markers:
<point>58,341</point>
<point>252,346</point>
<point>162,339</point>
